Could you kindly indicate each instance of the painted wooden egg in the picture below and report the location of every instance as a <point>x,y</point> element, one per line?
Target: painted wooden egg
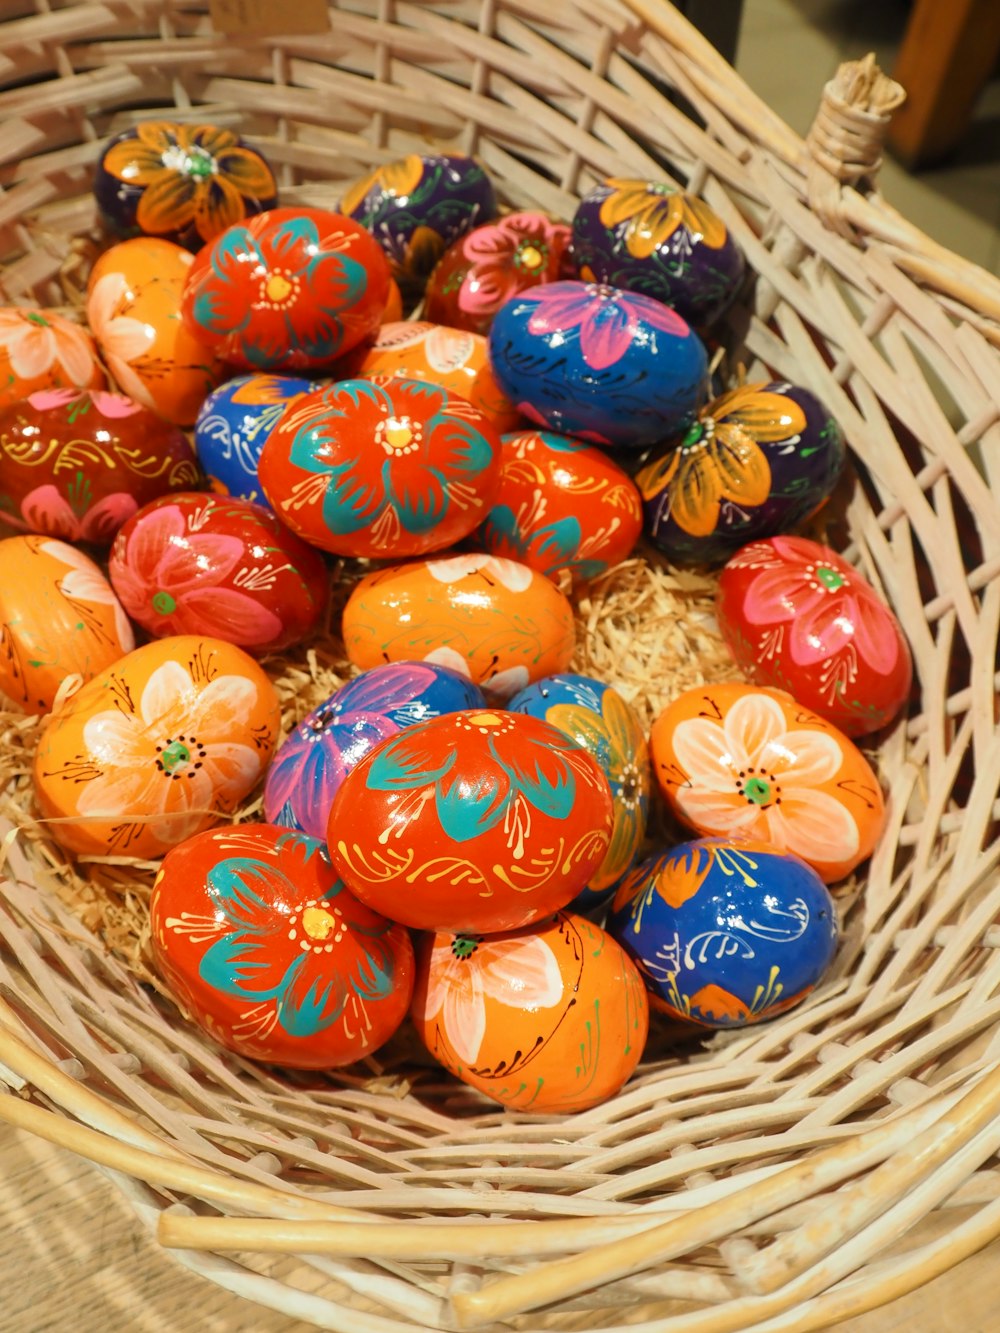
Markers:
<point>498,622</point>
<point>310,765</point>
<point>650,237</point>
<point>457,360</point>
<point>758,460</point>
<point>76,463</point>
<point>206,564</point>
<point>492,263</point>
<point>381,468</point>
<point>42,350</point>
<point>741,761</point>
<point>478,820</point>
<point>59,619</point>
<point>133,308</point>
<point>612,367</point>
<point>290,289</point>
<point>234,421</point>
<point>163,744</point>
<point>394,306</point>
<point>416,207</point>
<point>186,183</point>
<point>597,717</point>
<point>259,940</point>
<point>562,505</point>
<point>797,616</point>
<point>551,1018</point>
<point>726,932</point>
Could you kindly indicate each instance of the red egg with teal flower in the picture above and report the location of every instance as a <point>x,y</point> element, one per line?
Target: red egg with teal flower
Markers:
<point>260,942</point>
<point>77,463</point>
<point>796,615</point>
<point>290,289</point>
<point>563,505</point>
<point>551,1018</point>
<point>608,366</point>
<point>310,766</point>
<point>726,932</point>
<point>416,207</point>
<point>650,237</point>
<point>492,263</point>
<point>479,820</point>
<point>759,460</point>
<point>206,564</point>
<point>184,183</point>
<point>381,468</point>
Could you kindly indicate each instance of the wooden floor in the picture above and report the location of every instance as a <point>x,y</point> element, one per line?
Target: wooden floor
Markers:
<point>75,1259</point>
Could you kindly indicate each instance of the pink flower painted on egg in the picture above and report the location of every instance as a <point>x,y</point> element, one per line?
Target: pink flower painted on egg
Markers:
<point>111,405</point>
<point>179,574</point>
<point>46,510</point>
<point>608,319</point>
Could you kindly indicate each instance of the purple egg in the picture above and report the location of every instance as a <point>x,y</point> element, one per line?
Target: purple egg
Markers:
<point>312,763</point>
<point>649,237</point>
<point>758,461</point>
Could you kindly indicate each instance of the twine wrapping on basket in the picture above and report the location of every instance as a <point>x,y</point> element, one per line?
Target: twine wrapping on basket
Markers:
<point>760,1177</point>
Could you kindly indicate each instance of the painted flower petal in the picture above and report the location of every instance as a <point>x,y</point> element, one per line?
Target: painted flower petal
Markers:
<point>813,825</point>
<point>406,763</point>
<point>166,697</point>
<point>805,758</point>
<point>587,728</point>
<point>463,1017</point>
<point>468,807</point>
<point>716,812</point>
<point>231,615</point>
<point>767,417</point>
<point>245,964</point>
<point>380,691</point>
<point>525,966</point>
<point>221,709</point>
<point>752,723</point>
<point>45,510</point>
<point>249,894</point>
<point>247,171</point>
<point>314,995</point>
<point>134,162</point>
<point>417,494</point>
<point>168,203</point>
<point>606,332</point>
<point>218,204</point>
<point>706,755</point>
<point>541,772</point>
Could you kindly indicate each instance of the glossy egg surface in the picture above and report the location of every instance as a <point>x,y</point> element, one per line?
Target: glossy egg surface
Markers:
<point>40,349</point>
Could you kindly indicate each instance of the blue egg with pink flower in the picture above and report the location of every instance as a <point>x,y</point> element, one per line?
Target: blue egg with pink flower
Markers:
<point>613,367</point>
<point>232,425</point>
<point>310,766</point>
<point>595,715</point>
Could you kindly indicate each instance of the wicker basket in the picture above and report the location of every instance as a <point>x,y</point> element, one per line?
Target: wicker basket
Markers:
<point>759,1179</point>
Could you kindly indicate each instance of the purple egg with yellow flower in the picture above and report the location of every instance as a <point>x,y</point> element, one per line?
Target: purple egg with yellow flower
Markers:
<point>595,715</point>
<point>650,237</point>
<point>416,207</point>
<point>758,460</point>
<point>309,767</point>
<point>184,183</point>
<point>726,932</point>
<point>605,365</point>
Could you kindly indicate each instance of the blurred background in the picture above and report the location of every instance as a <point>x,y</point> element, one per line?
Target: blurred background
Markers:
<point>787,49</point>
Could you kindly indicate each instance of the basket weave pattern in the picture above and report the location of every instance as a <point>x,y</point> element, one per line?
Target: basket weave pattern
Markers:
<point>757,1180</point>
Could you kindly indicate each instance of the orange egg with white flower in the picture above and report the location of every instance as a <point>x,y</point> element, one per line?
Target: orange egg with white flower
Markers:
<point>163,744</point>
<point>552,1018</point>
<point>62,623</point>
<point>40,349</point>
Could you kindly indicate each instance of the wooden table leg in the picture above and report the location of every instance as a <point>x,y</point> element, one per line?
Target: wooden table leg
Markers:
<point>949,51</point>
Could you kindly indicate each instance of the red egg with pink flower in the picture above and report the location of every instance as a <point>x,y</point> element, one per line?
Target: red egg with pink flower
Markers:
<point>205,564</point>
<point>797,616</point>
<point>77,463</point>
<point>492,263</point>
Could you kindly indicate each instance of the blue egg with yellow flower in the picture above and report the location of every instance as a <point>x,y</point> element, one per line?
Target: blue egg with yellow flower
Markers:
<point>597,717</point>
<point>650,237</point>
<point>726,932</point>
<point>757,461</point>
<point>233,425</point>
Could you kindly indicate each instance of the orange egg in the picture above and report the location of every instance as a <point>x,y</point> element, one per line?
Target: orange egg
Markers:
<point>60,619</point>
<point>163,744</point>
<point>133,308</point>
<point>738,761</point>
<point>456,360</point>
<point>550,1018</point>
<point>498,622</point>
<point>42,350</point>
<point>393,311</point>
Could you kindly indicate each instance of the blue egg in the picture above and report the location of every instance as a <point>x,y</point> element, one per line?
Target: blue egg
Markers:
<point>234,421</point>
<point>613,367</point>
<point>726,933</point>
<point>597,717</point>
<point>310,765</point>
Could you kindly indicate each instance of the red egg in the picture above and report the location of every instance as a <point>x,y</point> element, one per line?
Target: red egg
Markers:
<point>261,943</point>
<point>76,463</point>
<point>477,820</point>
<point>206,564</point>
<point>381,468</point>
<point>562,505</point>
<point>290,289</point>
<point>797,616</point>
